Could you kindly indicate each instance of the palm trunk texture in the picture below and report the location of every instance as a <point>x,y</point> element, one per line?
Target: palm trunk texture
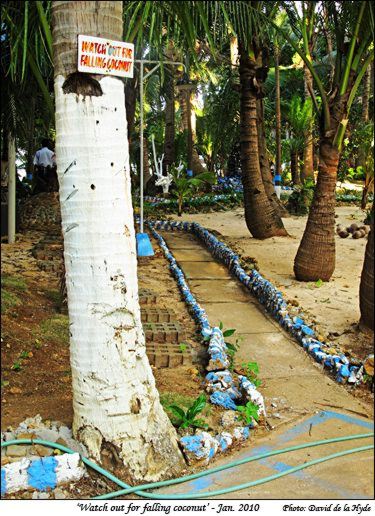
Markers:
<point>265,165</point>
<point>169,136</point>
<point>278,112</point>
<point>186,115</point>
<point>294,167</point>
<point>117,412</point>
<point>261,218</point>
<point>316,256</point>
<point>366,289</point>
<point>307,171</point>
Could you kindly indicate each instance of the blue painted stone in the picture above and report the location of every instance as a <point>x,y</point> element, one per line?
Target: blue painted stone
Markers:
<point>193,444</point>
<point>3,482</point>
<point>223,400</point>
<point>42,473</point>
<point>307,330</point>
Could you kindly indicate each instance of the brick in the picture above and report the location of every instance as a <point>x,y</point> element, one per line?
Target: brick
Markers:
<point>156,314</point>
<point>168,354</point>
<point>146,296</point>
<point>163,332</point>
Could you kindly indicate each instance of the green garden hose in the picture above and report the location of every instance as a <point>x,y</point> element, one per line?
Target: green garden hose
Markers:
<point>139,490</point>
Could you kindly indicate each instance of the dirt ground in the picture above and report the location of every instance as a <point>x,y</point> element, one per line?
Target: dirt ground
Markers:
<point>332,306</point>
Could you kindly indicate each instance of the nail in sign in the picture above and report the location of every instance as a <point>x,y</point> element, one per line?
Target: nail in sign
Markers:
<point>105,57</point>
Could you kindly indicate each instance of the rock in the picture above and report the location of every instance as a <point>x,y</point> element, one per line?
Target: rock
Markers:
<point>5,460</point>
<point>46,434</point>
<point>17,450</point>
<point>368,365</point>
<point>343,233</point>
<point>65,432</point>
<point>15,390</point>
<point>77,447</point>
<point>42,451</point>
<point>59,494</point>
<point>8,436</point>
<point>40,496</point>
<point>229,419</point>
<point>357,234</point>
<point>26,436</point>
<point>61,441</point>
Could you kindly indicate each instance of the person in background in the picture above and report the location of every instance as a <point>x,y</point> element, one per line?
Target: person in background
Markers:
<point>45,169</point>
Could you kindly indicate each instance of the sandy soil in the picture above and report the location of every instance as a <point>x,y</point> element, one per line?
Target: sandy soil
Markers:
<point>334,306</point>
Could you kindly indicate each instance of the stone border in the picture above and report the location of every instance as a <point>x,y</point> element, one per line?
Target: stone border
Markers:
<point>41,474</point>
<point>224,387</point>
<point>267,294</point>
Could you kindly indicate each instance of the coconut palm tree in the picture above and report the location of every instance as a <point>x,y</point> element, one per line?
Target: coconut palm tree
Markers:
<point>351,25</point>
<point>117,412</point>
<point>244,21</point>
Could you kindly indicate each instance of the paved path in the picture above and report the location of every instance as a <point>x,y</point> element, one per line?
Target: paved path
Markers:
<point>303,403</point>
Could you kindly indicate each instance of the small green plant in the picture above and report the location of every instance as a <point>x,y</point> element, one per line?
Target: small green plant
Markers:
<point>184,186</point>
<point>25,354</point>
<point>188,418</point>
<point>248,412</point>
<point>16,365</point>
<point>315,284</point>
<point>183,347</point>
<point>252,371</point>
<point>232,348</point>
<point>4,383</point>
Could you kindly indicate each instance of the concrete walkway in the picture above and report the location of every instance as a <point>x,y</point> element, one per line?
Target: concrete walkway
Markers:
<point>303,403</point>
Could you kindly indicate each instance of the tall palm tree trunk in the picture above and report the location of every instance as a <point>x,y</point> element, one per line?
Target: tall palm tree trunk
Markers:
<point>294,167</point>
<point>365,119</point>
<point>146,164</point>
<point>117,412</point>
<point>131,94</point>
<point>307,171</point>
<point>316,255</point>
<point>265,164</point>
<point>261,218</point>
<point>366,289</point>
<point>186,112</point>
<point>278,112</point>
<point>169,136</point>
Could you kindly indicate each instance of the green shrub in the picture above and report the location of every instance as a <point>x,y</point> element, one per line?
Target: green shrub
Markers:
<point>300,200</point>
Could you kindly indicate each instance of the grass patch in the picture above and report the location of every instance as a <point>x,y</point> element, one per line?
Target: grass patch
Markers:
<point>55,328</point>
<point>8,300</point>
<point>11,286</point>
<point>13,283</point>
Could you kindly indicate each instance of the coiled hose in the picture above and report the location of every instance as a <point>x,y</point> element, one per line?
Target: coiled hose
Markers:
<point>140,489</point>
